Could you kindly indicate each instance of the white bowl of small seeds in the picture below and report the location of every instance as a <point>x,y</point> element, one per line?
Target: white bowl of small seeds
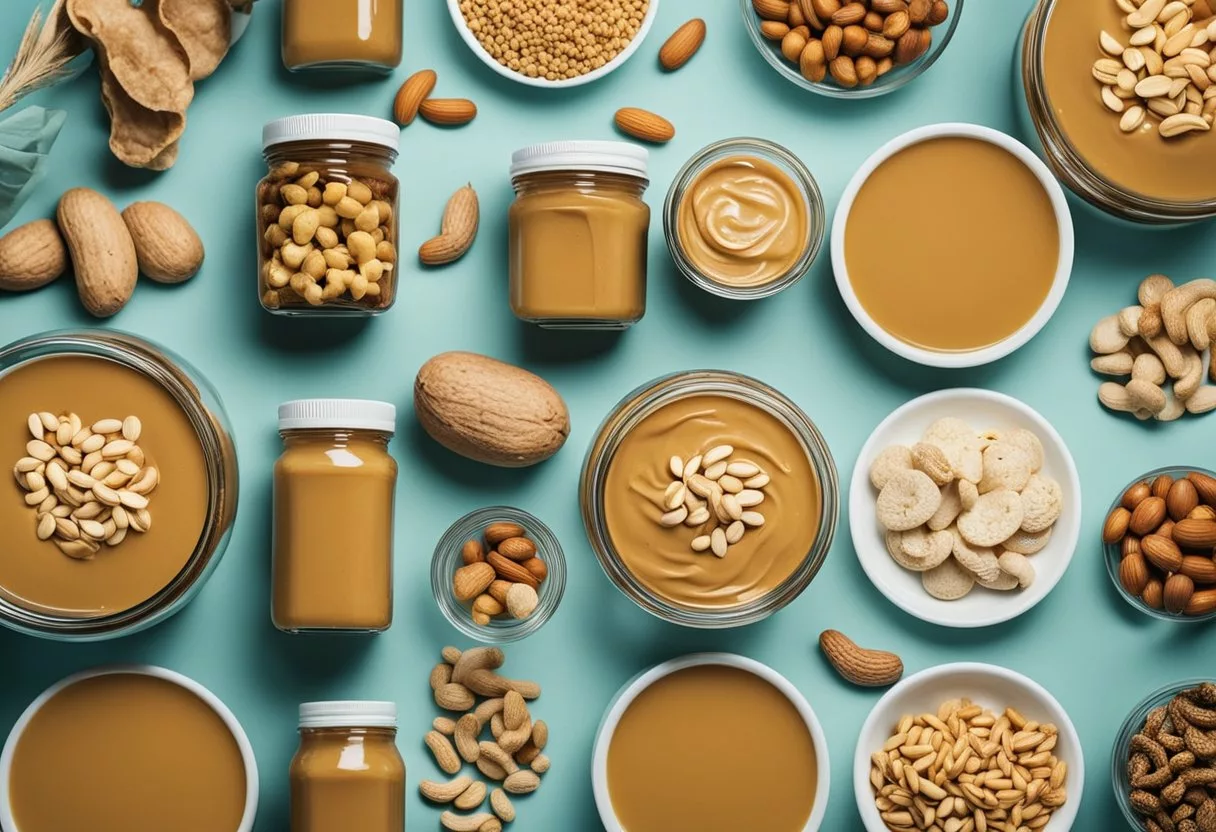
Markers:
<point>546,47</point>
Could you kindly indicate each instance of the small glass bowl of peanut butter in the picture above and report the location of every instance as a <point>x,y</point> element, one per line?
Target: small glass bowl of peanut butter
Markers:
<point>543,569</point>
<point>744,219</point>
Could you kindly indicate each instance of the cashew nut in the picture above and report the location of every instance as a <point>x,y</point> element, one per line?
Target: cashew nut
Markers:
<point>1129,320</point>
<point>1189,381</point>
<point>1170,355</point>
<point>1152,289</point>
<point>1115,364</point>
<point>1145,395</point>
<point>1018,566</point>
<point>1202,400</point>
<point>1197,318</point>
<point>1149,367</point>
<point>1174,406</point>
<point>1176,301</point>
<point>464,823</point>
<point>437,792</point>
<point>1107,337</point>
<point>1150,322</point>
<point>1114,396</point>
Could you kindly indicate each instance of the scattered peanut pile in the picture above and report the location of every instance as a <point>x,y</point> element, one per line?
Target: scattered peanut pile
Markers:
<point>966,768</point>
<point>1171,765</point>
<point>511,757</point>
<point>1163,343</point>
<point>501,575</point>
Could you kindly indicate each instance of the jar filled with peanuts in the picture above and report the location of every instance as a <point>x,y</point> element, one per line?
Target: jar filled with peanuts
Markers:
<point>327,216</point>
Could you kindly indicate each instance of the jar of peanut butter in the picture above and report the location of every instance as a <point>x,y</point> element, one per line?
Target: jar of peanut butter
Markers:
<point>327,215</point>
<point>342,34</point>
<point>348,773</point>
<point>333,516</point>
<point>578,230</point>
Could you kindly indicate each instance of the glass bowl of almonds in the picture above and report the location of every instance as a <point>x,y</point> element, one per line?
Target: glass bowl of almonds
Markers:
<point>498,574</point>
<point>851,48</point>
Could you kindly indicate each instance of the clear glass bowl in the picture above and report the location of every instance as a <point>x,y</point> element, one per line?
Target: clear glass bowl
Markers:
<point>798,173</point>
<point>447,560</point>
<point>641,403</point>
<point>1119,780</point>
<point>1114,553</point>
<point>202,406</point>
<point>893,80</point>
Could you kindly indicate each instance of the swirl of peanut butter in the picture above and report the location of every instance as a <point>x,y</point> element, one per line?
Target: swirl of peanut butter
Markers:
<point>743,222</point>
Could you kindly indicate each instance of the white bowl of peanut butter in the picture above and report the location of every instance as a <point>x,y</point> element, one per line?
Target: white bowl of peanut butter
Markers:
<point>128,748</point>
<point>668,752</point>
<point>952,245</point>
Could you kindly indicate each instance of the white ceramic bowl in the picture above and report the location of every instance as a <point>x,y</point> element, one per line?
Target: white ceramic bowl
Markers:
<point>969,358</point>
<point>463,27</point>
<point>625,696</point>
<point>238,733</point>
<point>982,409</point>
<point>987,685</point>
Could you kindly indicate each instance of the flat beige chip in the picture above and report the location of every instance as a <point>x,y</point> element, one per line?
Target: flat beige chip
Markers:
<point>948,511</point>
<point>889,462</point>
<point>948,581</point>
<point>980,561</point>
<point>1027,543</point>
<point>1028,442</point>
<point>994,518</point>
<point>204,28</point>
<point>1042,503</point>
<point>1005,466</point>
<point>908,500</point>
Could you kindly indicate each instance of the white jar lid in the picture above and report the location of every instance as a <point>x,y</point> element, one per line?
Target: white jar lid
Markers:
<point>331,127</point>
<point>608,157</point>
<point>351,414</point>
<point>348,714</point>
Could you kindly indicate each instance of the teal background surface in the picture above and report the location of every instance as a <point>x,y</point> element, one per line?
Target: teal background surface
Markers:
<point>1088,647</point>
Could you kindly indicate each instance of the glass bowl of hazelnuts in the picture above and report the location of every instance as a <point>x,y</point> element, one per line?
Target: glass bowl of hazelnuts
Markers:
<point>851,48</point>
<point>1160,541</point>
<point>498,574</point>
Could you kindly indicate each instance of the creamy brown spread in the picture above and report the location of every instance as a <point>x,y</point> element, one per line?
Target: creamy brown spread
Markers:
<point>979,262</point>
<point>333,532</point>
<point>712,748</point>
<point>341,33</point>
<point>1177,169</point>
<point>127,752</point>
<point>661,558</point>
<point>743,222</point>
<point>351,779</point>
<point>578,249</point>
<point>33,573</point>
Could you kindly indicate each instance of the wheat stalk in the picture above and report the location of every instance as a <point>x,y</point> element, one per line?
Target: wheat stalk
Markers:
<point>42,56</point>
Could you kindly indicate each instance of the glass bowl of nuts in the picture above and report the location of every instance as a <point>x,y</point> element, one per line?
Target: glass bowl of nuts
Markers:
<point>851,48</point>
<point>498,574</point>
<point>1151,721</point>
<point>1159,537</point>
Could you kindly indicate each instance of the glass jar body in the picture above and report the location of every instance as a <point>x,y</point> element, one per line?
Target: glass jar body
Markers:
<point>347,778</point>
<point>578,249</point>
<point>327,229</point>
<point>342,34</point>
<point>333,531</point>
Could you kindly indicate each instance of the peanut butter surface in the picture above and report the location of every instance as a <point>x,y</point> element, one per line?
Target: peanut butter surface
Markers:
<point>1177,169</point>
<point>743,222</point>
<point>320,33</point>
<point>34,573</point>
<point>661,558</point>
<point>977,264</point>
<point>127,753</point>
<point>344,780</point>
<point>333,533</point>
<point>715,749</point>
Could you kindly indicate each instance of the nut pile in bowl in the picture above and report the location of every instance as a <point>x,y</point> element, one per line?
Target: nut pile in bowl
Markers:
<point>966,507</point>
<point>501,575</point>
<point>854,42</point>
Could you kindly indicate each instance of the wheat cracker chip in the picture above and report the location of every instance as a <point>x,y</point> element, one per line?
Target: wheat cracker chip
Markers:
<point>895,549</point>
<point>933,461</point>
<point>960,444</point>
<point>980,561</point>
<point>987,437</point>
<point>1005,466</point>
<point>993,519</point>
<point>146,58</point>
<point>968,494</point>
<point>139,137</point>
<point>1028,442</point>
<point>948,511</point>
<point>1017,566</point>
<point>929,548</point>
<point>888,463</point>
<point>947,581</point>
<point>1028,543</point>
<point>1003,582</point>
<point>204,29</point>
<point>1042,502</point>
<point>907,500</point>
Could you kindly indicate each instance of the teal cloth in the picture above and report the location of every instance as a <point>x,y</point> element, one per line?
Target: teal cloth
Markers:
<point>25,145</point>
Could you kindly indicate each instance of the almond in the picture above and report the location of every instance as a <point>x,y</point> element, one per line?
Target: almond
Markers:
<point>1133,495</point>
<point>103,253</point>
<point>793,44</point>
<point>537,567</point>
<point>498,591</point>
<point>647,126</point>
<point>1205,485</point>
<point>1153,592</point>
<point>854,40</point>
<point>938,13</point>
<point>877,46</point>
<point>448,112</point>
<point>1133,574</point>
<point>1195,534</point>
<point>1131,544</point>
<point>167,248</point>
<point>1148,516</point>
<point>1161,552</point>
<point>849,14</point>
<point>1201,603</point>
<point>913,44</point>
<point>1161,485</point>
<point>509,570</point>
<point>411,95</point>
<point>869,668</point>
<point>896,24</point>
<point>774,29</point>
<point>824,9</point>
<point>31,256</point>
<point>472,580</point>
<point>682,44</point>
<point>517,548</point>
<point>812,63</point>
<point>1201,570</point>
<point>1177,593</point>
<point>889,6</point>
<point>844,71</point>
<point>832,38</point>
<point>1116,525</point>
<point>1202,513</point>
<point>472,552</point>
<point>496,533</point>
<point>1181,499</point>
<point>772,9</point>
<point>918,11</point>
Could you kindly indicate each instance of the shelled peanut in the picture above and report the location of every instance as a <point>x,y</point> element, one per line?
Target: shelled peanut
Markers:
<point>856,42</point>
<point>513,756</point>
<point>1165,529</point>
<point>326,241</point>
<point>501,575</point>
